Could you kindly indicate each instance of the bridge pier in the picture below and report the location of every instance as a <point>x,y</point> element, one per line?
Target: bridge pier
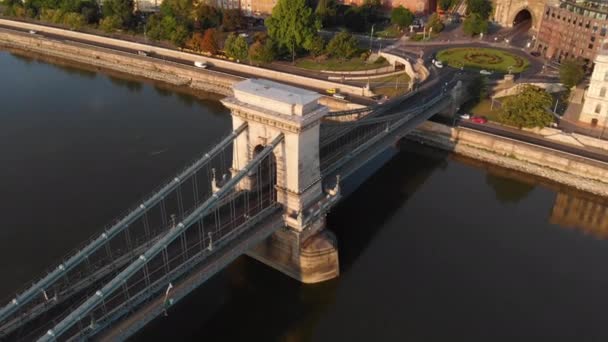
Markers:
<point>309,259</point>
<point>303,249</point>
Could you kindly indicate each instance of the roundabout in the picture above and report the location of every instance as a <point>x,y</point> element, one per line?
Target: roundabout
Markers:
<point>483,58</point>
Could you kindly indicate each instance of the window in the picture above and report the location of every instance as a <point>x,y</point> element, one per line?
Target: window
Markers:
<point>603,92</point>
<point>606,76</point>
<point>590,46</point>
<point>592,38</point>
<point>598,108</point>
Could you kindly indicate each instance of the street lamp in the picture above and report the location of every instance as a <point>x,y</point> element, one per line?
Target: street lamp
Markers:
<point>371,37</point>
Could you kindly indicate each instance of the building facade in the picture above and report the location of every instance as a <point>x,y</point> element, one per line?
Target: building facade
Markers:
<point>595,105</point>
<point>573,29</point>
<point>416,6</point>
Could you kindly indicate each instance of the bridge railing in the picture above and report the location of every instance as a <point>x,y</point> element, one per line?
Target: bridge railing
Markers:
<point>106,304</point>
<point>117,244</point>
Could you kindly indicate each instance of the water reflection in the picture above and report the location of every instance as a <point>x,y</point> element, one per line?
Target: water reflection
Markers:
<point>132,85</point>
<point>581,211</point>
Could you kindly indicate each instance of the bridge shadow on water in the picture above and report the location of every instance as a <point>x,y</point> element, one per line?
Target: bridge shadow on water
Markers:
<point>249,300</point>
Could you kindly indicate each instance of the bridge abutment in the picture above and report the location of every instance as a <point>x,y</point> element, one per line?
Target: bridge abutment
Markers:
<point>303,249</point>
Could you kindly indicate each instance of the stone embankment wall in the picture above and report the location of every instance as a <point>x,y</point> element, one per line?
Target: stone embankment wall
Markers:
<point>578,172</point>
<point>237,67</point>
<point>172,73</point>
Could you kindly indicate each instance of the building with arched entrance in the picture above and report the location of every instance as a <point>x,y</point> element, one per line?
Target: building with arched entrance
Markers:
<point>595,105</point>
<point>510,12</point>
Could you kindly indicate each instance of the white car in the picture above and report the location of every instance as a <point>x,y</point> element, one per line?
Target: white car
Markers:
<point>142,53</point>
<point>438,64</point>
<point>199,64</point>
<point>465,116</point>
<point>339,96</point>
<point>33,32</point>
<point>485,72</point>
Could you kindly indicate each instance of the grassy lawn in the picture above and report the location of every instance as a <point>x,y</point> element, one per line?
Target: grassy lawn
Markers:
<point>481,108</point>
<point>335,64</point>
<point>483,58</point>
<point>390,32</point>
<point>390,85</point>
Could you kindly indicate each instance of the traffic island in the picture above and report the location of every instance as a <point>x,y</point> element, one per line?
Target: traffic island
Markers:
<point>483,58</point>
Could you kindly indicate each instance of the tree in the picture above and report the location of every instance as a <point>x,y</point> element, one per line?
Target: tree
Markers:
<point>111,23</point>
<point>232,19</point>
<point>236,47</point>
<point>571,72</point>
<point>478,89</point>
<point>123,9</point>
<point>481,7</point>
<point>262,53</point>
<point>435,23</point>
<point>206,16</point>
<point>326,10</point>
<point>343,45</point>
<point>475,24</point>
<point>529,108</point>
<point>209,42</point>
<point>195,42</point>
<point>445,4</point>
<point>402,17</point>
<point>354,19</point>
<point>316,46</point>
<point>292,24</point>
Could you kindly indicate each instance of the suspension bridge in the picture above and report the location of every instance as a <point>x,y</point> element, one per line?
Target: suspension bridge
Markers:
<point>264,190</point>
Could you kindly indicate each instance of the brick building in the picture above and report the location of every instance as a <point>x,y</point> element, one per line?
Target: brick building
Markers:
<point>570,29</point>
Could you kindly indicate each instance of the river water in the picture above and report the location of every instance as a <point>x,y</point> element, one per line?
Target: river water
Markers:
<point>433,247</point>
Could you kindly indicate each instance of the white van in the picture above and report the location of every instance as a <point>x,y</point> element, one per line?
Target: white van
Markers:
<point>200,64</point>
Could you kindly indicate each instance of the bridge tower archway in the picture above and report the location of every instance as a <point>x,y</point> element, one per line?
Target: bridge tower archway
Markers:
<point>270,109</point>
<point>304,250</point>
<point>265,175</point>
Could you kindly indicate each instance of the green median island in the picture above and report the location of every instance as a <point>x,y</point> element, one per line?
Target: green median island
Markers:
<point>483,58</point>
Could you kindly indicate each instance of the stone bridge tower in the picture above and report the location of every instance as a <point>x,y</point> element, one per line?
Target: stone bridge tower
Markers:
<point>505,11</point>
<point>304,250</point>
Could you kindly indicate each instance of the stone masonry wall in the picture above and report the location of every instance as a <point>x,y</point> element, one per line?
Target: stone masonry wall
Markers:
<point>581,173</point>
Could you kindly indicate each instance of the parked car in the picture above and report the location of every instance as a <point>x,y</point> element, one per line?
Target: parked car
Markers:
<point>33,32</point>
<point>465,116</point>
<point>535,53</point>
<point>485,72</point>
<point>479,119</point>
<point>339,96</point>
<point>142,53</point>
<point>200,64</point>
<point>438,63</point>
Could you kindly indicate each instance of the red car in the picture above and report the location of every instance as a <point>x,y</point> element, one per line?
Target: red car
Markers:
<point>479,119</point>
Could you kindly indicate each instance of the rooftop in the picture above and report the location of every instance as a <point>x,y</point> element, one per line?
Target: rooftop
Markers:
<point>277,91</point>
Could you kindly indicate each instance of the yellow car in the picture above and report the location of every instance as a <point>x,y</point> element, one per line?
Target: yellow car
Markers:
<point>331,90</point>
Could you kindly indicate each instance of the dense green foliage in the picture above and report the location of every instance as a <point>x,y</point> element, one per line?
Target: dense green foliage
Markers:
<point>528,109</point>
<point>402,17</point>
<point>478,89</point>
<point>326,11</point>
<point>236,47</point>
<point>446,4</point>
<point>474,24</point>
<point>262,52</point>
<point>481,7</point>
<point>571,72</point>
<point>343,45</point>
<point>292,25</point>
<point>435,23</point>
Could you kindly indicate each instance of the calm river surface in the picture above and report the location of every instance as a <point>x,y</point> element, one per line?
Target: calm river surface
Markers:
<point>432,247</point>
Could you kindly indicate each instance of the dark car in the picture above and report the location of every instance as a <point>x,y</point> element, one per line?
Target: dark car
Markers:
<point>535,53</point>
